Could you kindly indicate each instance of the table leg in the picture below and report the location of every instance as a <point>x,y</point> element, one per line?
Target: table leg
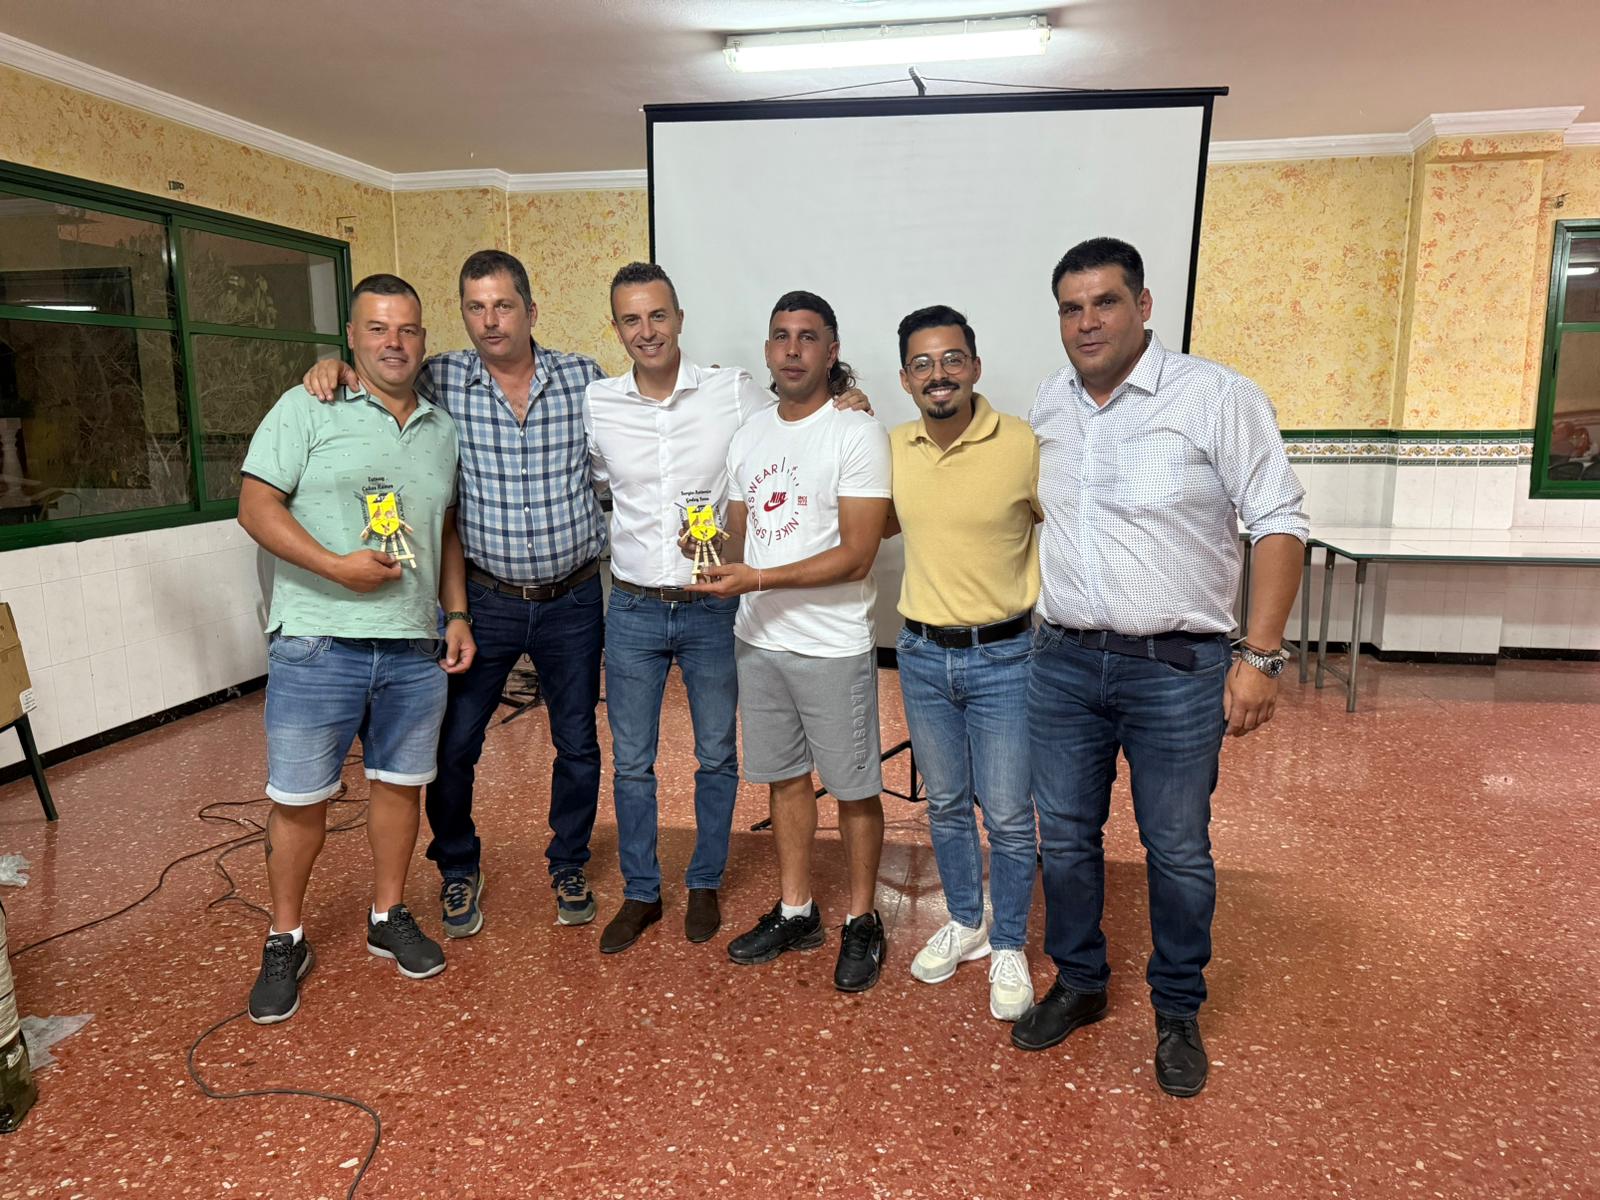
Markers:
<point>1327,611</point>
<point>1305,617</point>
<point>30,751</point>
<point>1355,636</point>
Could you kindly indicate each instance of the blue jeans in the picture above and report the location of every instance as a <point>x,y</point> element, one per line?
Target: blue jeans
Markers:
<point>563,637</point>
<point>967,709</point>
<point>1085,705</point>
<point>643,637</point>
<point>324,692</point>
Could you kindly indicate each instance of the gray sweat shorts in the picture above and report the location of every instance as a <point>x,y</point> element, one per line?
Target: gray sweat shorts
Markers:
<point>800,713</point>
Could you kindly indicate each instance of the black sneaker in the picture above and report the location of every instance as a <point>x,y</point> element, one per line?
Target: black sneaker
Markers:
<point>1181,1062</point>
<point>774,933</point>
<point>416,954</point>
<point>860,954</point>
<point>575,903</point>
<point>284,963</point>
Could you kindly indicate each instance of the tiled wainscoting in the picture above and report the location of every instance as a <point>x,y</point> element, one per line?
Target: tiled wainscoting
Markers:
<point>118,628</point>
<point>1448,483</point>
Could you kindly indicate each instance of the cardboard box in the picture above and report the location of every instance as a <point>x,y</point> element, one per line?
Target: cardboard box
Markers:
<point>16,690</point>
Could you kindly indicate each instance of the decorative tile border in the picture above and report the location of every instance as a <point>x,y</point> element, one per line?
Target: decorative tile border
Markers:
<point>1405,447</point>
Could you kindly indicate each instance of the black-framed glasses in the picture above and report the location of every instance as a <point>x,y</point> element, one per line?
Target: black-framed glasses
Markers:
<point>953,361</point>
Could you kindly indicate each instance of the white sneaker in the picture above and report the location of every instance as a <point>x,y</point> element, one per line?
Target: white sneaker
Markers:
<point>1010,985</point>
<point>952,945</point>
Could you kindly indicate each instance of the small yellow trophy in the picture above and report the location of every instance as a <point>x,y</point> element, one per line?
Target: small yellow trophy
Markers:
<point>384,522</point>
<point>703,531</point>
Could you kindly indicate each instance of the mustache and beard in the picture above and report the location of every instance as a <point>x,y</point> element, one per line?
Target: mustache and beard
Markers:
<point>942,396</point>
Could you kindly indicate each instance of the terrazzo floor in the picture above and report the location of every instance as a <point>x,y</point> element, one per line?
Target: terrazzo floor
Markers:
<point>1402,1000</point>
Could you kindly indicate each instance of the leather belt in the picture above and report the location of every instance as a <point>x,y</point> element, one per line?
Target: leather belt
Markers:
<point>953,637</point>
<point>1176,649</point>
<point>535,591</point>
<point>667,595</point>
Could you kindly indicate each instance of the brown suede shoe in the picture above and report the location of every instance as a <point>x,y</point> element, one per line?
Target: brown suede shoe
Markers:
<point>632,919</point>
<point>704,916</point>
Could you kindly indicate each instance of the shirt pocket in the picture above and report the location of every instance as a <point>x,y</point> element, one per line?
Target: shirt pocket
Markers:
<point>1151,470</point>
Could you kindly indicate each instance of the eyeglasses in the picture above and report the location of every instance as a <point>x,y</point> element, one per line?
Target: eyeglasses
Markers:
<point>953,361</point>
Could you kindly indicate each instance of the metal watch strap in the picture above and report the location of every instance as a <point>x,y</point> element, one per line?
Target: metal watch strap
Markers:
<point>1270,665</point>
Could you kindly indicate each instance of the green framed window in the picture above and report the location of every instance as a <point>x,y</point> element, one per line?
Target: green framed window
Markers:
<point>141,342</point>
<point>1566,436</point>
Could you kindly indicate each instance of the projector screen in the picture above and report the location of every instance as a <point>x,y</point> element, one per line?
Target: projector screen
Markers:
<point>885,206</point>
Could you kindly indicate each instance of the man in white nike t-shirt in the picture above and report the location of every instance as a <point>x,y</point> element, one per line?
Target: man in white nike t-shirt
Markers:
<point>809,492</point>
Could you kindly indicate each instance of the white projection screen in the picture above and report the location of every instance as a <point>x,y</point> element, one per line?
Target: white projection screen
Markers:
<point>885,206</point>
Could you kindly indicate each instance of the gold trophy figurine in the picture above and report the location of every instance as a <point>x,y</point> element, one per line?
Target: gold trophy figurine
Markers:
<point>385,523</point>
<point>703,532</point>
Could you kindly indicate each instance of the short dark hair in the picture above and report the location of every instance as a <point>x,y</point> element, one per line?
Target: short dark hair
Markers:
<point>1101,252</point>
<point>484,263</point>
<point>935,316</point>
<point>841,377</point>
<point>383,284</point>
<point>635,274</point>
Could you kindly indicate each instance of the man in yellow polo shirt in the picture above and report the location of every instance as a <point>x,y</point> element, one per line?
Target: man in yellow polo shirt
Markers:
<point>965,479</point>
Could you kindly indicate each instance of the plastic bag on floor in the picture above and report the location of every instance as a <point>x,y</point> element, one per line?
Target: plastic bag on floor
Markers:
<point>43,1032</point>
<point>13,870</point>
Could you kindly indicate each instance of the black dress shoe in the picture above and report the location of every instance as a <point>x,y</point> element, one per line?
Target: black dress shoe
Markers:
<point>703,916</point>
<point>1061,1011</point>
<point>1181,1062</point>
<point>632,919</point>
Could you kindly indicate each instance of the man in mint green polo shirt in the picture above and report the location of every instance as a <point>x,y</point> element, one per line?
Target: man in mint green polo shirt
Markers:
<point>357,500</point>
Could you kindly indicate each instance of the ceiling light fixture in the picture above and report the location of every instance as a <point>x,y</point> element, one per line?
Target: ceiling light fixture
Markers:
<point>1582,270</point>
<point>60,306</point>
<point>888,45</point>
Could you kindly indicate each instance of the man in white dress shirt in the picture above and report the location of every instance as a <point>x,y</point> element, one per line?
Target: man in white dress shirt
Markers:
<point>658,436</point>
<point>1149,460</point>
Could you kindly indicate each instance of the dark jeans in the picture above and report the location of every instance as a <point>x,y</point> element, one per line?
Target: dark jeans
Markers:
<point>1085,705</point>
<point>564,639</point>
<point>643,638</point>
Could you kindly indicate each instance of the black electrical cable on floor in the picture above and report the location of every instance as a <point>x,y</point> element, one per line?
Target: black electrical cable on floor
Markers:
<point>255,836</point>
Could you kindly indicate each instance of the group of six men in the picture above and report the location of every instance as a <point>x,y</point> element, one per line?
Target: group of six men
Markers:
<point>1112,514</point>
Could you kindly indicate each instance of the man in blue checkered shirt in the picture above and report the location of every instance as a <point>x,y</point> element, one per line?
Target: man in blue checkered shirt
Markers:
<point>533,531</point>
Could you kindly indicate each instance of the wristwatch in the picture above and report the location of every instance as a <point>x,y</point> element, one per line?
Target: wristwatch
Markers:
<point>1270,665</point>
<point>458,616</point>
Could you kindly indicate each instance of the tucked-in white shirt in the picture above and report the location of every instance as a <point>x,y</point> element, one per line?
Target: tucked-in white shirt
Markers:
<point>791,476</point>
<point>659,456</point>
<point>1143,496</point>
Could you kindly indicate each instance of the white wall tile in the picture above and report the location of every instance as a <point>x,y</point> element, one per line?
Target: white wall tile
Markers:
<point>174,594</point>
<point>27,609</point>
<point>1565,514</point>
<point>73,689</point>
<point>96,556</point>
<point>1413,496</point>
<point>130,549</point>
<point>1586,620</point>
<point>181,657</point>
<point>1444,621</point>
<point>1402,618</point>
<point>1552,618</point>
<point>65,621</point>
<point>1496,487</point>
<point>137,602</point>
<point>161,544</point>
<point>144,678</point>
<point>10,748</point>
<point>1482,619</point>
<point>19,568</point>
<point>1464,506</point>
<point>102,612</point>
<point>1525,513</point>
<point>112,704</point>
<point>46,719</point>
<point>1591,514</point>
<point>1516,625</point>
<point>58,562</point>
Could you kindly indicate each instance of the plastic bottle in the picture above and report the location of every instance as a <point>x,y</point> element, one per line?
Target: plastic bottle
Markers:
<point>17,1090</point>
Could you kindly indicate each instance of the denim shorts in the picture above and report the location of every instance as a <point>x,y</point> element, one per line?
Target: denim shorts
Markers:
<point>324,692</point>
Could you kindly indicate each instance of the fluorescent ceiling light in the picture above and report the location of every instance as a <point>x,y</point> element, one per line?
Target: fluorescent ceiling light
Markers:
<point>1582,270</point>
<point>888,45</point>
<point>54,306</point>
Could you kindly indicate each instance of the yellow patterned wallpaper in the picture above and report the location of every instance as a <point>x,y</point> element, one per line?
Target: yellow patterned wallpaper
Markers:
<point>438,230</point>
<point>1477,233</point>
<point>572,244</point>
<point>59,129</point>
<point>1298,284</point>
